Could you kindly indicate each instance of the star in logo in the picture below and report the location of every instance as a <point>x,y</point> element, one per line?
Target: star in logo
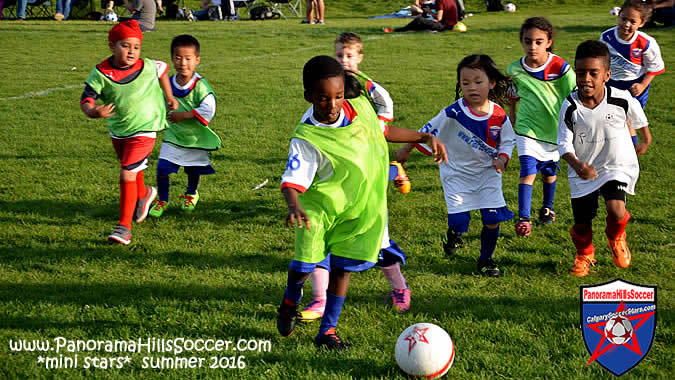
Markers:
<point>632,344</point>
<point>417,335</point>
<point>41,359</point>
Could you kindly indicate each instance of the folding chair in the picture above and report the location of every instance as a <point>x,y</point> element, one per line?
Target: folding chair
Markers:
<point>248,4</point>
<point>9,10</point>
<point>40,9</point>
<point>294,6</point>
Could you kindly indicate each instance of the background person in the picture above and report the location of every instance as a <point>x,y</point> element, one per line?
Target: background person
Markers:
<point>445,18</point>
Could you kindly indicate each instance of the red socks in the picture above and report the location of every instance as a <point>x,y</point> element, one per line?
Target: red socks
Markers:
<point>140,185</point>
<point>128,199</point>
<point>583,243</point>
<point>615,228</point>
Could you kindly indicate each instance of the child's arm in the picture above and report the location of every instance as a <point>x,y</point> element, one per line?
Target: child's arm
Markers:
<point>638,88</point>
<point>295,211</point>
<point>203,113</point>
<point>583,170</point>
<point>171,102</point>
<point>396,134</point>
<point>89,107</point>
<point>507,140</point>
<point>646,140</point>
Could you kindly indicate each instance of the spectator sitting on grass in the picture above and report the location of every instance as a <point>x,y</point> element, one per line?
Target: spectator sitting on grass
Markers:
<point>213,10</point>
<point>444,19</point>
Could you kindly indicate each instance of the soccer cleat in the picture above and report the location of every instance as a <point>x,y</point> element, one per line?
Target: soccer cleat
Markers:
<point>400,299</point>
<point>523,227</point>
<point>582,264</point>
<point>121,235</point>
<point>189,201</point>
<point>305,21</point>
<point>287,317</point>
<point>158,208</point>
<point>387,30</point>
<point>320,22</point>
<point>488,268</point>
<point>546,216</point>
<point>453,243</point>
<point>313,311</point>
<point>401,181</point>
<point>331,341</point>
<point>143,205</point>
<point>620,252</point>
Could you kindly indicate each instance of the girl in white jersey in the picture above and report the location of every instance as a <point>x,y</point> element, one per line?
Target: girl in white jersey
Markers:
<point>479,140</point>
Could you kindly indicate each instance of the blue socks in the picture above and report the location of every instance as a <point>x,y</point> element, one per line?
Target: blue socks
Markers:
<point>163,187</point>
<point>332,313</point>
<point>549,193</point>
<point>488,242</point>
<point>193,182</point>
<point>293,290</point>
<point>524,200</point>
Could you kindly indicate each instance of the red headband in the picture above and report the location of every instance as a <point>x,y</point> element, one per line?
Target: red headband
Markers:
<point>124,30</point>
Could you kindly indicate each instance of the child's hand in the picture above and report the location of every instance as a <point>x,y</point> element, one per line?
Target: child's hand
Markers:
<point>402,155</point>
<point>101,110</point>
<point>499,164</point>
<point>586,171</point>
<point>176,117</point>
<point>437,148</point>
<point>172,104</point>
<point>296,214</point>
<point>637,88</point>
<point>641,149</point>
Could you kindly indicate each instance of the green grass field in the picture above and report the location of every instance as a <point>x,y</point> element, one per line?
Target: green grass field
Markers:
<point>220,272</point>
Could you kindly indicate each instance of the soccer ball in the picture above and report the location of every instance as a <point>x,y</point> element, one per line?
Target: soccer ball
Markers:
<point>425,350</point>
<point>510,7</point>
<point>110,16</point>
<point>459,27</point>
<point>618,330</point>
<point>615,11</point>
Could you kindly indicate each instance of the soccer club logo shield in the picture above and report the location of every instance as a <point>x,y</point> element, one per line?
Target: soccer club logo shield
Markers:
<point>618,320</point>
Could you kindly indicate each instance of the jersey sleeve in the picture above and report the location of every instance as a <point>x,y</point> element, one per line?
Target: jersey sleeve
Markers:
<point>507,139</point>
<point>434,126</point>
<point>636,115</point>
<point>302,165</point>
<point>206,110</point>
<point>384,105</point>
<point>88,95</point>
<point>653,60</point>
<point>565,134</point>
<point>162,68</point>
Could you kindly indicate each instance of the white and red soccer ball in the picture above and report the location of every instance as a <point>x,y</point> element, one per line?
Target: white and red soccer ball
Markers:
<point>618,330</point>
<point>615,11</point>
<point>510,7</point>
<point>425,350</point>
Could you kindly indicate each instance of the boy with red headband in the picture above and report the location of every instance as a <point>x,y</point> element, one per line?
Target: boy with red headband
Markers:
<point>133,106</point>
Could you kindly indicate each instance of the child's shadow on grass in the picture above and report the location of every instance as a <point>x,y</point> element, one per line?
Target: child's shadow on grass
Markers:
<point>55,212</point>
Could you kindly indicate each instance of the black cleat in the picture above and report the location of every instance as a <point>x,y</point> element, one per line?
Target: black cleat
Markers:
<point>488,268</point>
<point>546,216</point>
<point>331,341</point>
<point>287,317</point>
<point>452,244</point>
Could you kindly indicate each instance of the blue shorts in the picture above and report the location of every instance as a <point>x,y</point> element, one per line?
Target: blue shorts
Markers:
<point>349,265</point>
<point>386,257</point>
<point>459,222</point>
<point>530,165</point>
<point>626,85</point>
<point>165,167</point>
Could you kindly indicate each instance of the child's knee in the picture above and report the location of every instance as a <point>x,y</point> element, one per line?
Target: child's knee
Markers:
<point>616,209</point>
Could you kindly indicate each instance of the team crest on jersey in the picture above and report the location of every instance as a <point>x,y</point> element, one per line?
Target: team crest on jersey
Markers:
<point>494,131</point>
<point>637,52</point>
<point>618,320</point>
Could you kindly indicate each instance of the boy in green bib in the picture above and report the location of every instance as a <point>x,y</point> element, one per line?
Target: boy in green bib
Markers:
<point>188,140</point>
<point>335,186</point>
<point>133,92</point>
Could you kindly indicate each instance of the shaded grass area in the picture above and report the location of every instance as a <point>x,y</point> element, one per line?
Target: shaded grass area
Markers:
<point>219,273</point>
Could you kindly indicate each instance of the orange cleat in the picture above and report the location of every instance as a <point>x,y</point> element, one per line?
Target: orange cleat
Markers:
<point>582,264</point>
<point>401,181</point>
<point>620,252</point>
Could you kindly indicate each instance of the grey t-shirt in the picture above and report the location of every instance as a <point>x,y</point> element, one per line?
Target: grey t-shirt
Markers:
<point>146,10</point>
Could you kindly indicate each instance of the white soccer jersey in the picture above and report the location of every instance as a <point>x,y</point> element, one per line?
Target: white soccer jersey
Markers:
<point>472,142</point>
<point>635,58</point>
<point>600,138</point>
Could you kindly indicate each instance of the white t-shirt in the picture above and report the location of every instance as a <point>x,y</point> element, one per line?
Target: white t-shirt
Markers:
<point>600,138</point>
<point>472,142</point>
<point>632,59</point>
